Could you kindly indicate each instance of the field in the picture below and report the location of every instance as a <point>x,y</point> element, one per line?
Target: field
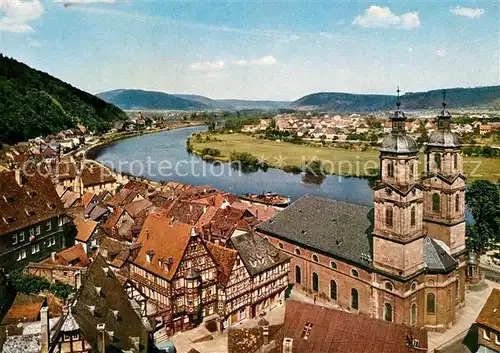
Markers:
<point>335,160</point>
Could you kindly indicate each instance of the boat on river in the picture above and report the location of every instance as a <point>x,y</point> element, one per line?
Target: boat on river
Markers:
<point>268,198</point>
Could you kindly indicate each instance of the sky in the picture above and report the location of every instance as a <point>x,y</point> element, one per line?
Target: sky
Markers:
<point>246,49</point>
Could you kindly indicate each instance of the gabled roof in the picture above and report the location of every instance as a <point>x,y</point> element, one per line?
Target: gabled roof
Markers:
<point>96,211</point>
<point>225,259</point>
<point>85,228</point>
<point>69,198</point>
<point>256,252</point>
<point>227,219</point>
<point>26,308</point>
<point>87,198</point>
<point>123,197</point>
<point>402,190</point>
<point>96,175</point>
<point>102,300</point>
<point>113,218</point>
<point>490,313</point>
<point>436,257</point>
<point>332,330</point>
<point>23,206</point>
<point>164,240</point>
<point>184,212</point>
<point>74,256</point>
<point>341,229</point>
<point>136,207</point>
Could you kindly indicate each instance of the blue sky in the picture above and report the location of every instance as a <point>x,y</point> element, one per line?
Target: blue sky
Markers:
<point>256,49</point>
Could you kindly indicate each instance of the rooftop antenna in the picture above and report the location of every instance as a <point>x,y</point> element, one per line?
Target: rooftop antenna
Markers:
<point>398,100</point>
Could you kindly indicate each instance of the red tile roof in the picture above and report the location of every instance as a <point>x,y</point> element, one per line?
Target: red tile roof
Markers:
<point>343,332</point>
<point>26,308</point>
<point>227,219</point>
<point>184,212</point>
<point>87,198</point>
<point>122,198</point>
<point>225,259</point>
<point>96,175</point>
<point>490,313</point>
<point>166,241</point>
<point>74,256</point>
<point>23,206</point>
<point>135,208</point>
<point>85,228</point>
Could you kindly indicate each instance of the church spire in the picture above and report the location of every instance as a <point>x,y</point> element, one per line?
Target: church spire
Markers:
<point>398,120</point>
<point>444,116</point>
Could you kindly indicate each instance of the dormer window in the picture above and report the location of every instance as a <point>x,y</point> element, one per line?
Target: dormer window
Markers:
<point>8,219</point>
<point>32,193</point>
<point>9,199</point>
<point>30,212</point>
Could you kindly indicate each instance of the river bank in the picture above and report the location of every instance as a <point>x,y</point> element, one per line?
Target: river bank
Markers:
<point>335,161</point>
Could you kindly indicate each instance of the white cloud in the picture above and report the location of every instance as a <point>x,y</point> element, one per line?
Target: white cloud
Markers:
<point>207,65</point>
<point>34,43</point>
<point>265,60</point>
<point>17,13</point>
<point>410,49</point>
<point>441,52</point>
<point>293,38</point>
<point>467,12</point>
<point>376,16</point>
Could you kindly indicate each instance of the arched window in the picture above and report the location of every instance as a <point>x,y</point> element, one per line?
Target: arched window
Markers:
<point>333,290</point>
<point>315,282</point>
<point>333,265</point>
<point>354,299</point>
<point>354,273</point>
<point>437,160</point>
<point>436,202</point>
<point>315,258</point>
<point>388,286</point>
<point>280,245</point>
<point>390,168</point>
<point>455,161</point>
<point>457,290</point>
<point>298,275</point>
<point>457,203</point>
<point>388,312</point>
<point>411,170</point>
<point>388,216</point>
<point>297,251</point>
<point>431,303</point>
<point>413,314</point>
<point>413,286</point>
<point>412,216</point>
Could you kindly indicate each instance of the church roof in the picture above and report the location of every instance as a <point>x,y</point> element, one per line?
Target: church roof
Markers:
<point>437,257</point>
<point>444,138</point>
<point>341,229</point>
<point>399,143</point>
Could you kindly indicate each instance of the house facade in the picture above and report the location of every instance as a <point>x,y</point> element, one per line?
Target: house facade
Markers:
<point>489,324</point>
<point>33,221</point>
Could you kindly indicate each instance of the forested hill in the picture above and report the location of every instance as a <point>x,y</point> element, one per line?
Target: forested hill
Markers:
<point>455,97</point>
<point>33,103</point>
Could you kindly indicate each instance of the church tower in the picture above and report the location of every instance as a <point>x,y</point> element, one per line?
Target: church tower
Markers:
<point>444,186</point>
<point>398,236</point>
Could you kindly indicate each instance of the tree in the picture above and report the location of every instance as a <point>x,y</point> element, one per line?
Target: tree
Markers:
<point>483,202</point>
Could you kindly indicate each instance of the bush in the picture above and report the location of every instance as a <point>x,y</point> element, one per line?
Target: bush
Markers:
<point>213,152</point>
<point>29,284</point>
<point>292,169</point>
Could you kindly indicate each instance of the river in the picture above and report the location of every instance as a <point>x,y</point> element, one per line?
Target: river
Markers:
<point>163,156</point>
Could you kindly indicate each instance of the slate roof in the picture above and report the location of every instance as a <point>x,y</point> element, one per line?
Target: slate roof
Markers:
<point>446,139</point>
<point>490,313</point>
<point>25,343</point>
<point>111,307</point>
<point>256,252</point>
<point>399,143</point>
<point>23,206</point>
<point>341,229</point>
<point>437,257</point>
<point>343,332</point>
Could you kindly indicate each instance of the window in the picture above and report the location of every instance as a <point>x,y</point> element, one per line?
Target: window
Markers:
<point>413,286</point>
<point>51,241</point>
<point>333,265</point>
<point>354,273</point>
<point>37,230</point>
<point>388,286</point>
<point>390,168</point>
<point>21,236</point>
<point>457,290</point>
<point>455,161</point>
<point>75,337</point>
<point>297,252</point>
<point>437,160</point>
<point>280,245</point>
<point>333,290</point>
<point>315,282</point>
<point>413,314</point>
<point>486,336</point>
<point>49,225</point>
<point>411,170</point>
<point>298,276</point>
<point>354,299</point>
<point>315,258</point>
<point>388,216</point>
<point>32,232</point>
<point>35,248</point>
<point>457,203</point>
<point>436,202</point>
<point>14,239</point>
<point>388,312</point>
<point>21,255</point>
<point>412,216</point>
<point>431,303</point>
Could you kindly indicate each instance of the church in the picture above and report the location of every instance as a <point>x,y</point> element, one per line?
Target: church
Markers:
<point>404,259</point>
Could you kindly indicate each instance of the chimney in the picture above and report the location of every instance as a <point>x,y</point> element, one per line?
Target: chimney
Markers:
<point>149,255</point>
<point>104,253</point>
<point>53,256</point>
<point>45,330</point>
<point>19,177</point>
<point>204,209</point>
<point>78,279</point>
<point>288,345</point>
<point>101,338</point>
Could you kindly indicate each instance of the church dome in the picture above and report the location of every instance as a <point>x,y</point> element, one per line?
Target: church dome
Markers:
<point>444,138</point>
<point>399,143</point>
